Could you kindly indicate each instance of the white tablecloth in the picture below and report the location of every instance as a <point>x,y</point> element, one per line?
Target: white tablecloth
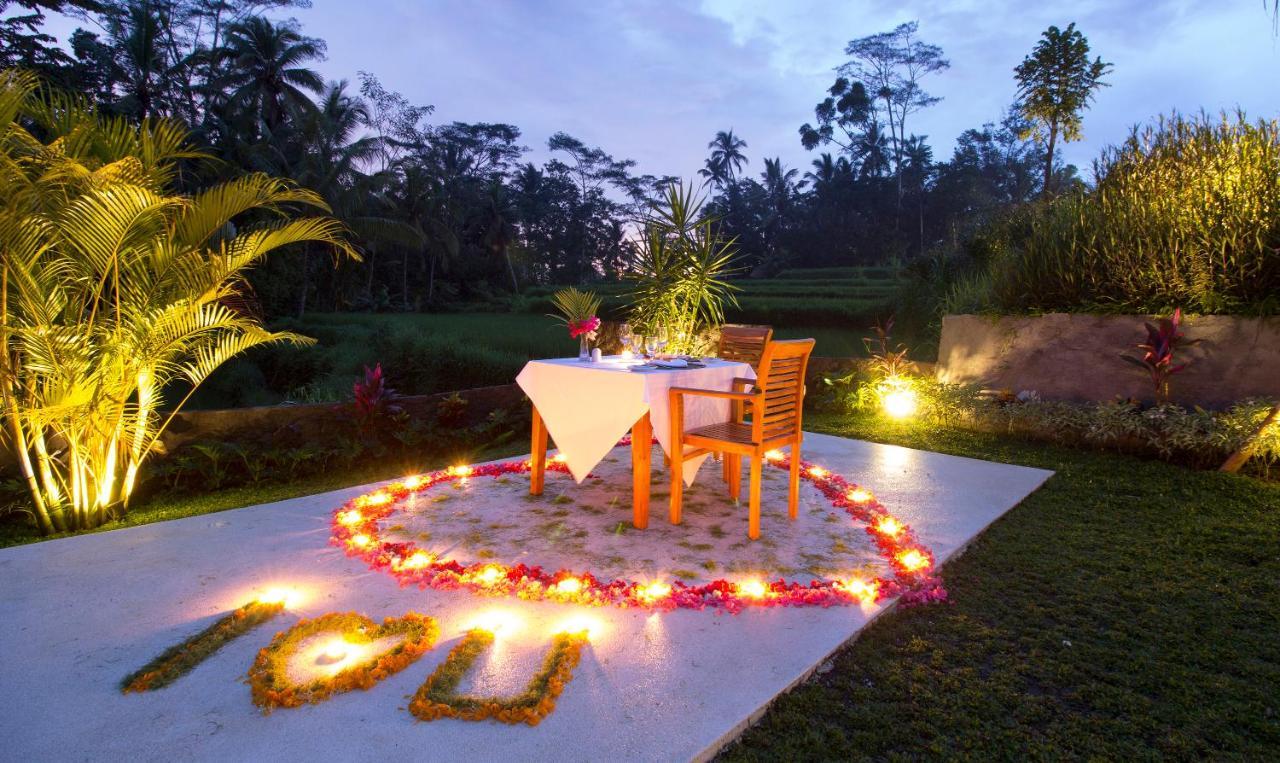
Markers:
<point>587,407</point>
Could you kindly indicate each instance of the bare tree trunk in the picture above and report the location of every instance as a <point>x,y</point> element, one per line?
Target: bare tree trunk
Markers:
<point>431,282</point>
<point>1048,160</point>
<point>515,285</point>
<point>368,281</point>
<point>1242,454</point>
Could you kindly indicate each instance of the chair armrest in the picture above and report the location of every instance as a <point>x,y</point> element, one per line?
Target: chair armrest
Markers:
<point>748,383</point>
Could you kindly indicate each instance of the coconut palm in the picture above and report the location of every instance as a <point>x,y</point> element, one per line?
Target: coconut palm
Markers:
<point>726,155</point>
<point>113,288</point>
<point>267,69</point>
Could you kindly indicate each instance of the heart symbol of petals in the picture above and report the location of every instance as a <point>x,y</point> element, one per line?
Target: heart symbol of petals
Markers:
<point>335,653</point>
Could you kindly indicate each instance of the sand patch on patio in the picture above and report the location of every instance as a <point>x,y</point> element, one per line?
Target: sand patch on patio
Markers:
<point>587,527</point>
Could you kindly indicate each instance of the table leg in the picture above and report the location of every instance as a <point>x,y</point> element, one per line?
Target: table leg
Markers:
<point>538,454</point>
<point>641,447</point>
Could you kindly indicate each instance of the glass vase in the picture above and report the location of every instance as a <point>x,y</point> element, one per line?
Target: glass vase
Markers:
<point>584,349</point>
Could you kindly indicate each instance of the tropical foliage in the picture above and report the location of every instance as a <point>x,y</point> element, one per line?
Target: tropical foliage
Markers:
<point>450,214</point>
<point>680,271</point>
<point>1185,213</point>
<point>116,288</point>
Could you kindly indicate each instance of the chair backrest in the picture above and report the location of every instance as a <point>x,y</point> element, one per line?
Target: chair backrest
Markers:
<point>745,344</point>
<point>781,378</point>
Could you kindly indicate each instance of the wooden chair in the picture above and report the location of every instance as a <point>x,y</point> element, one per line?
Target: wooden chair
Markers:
<point>744,344</point>
<point>776,398</point>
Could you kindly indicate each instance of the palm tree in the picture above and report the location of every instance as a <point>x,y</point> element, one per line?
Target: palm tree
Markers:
<point>113,288</point>
<point>826,172</point>
<point>873,152</point>
<point>139,61</point>
<point>917,167</point>
<point>726,155</point>
<point>267,69</point>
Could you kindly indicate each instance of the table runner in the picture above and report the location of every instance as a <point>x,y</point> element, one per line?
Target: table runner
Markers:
<point>588,407</point>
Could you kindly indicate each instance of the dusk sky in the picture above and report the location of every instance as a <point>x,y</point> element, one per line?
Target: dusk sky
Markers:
<point>653,80</point>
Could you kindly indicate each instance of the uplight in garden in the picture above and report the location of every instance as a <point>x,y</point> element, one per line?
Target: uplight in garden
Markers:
<point>899,402</point>
<point>752,589</point>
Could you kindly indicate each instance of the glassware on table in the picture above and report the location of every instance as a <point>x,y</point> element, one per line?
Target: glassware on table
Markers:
<point>660,341</point>
<point>626,337</point>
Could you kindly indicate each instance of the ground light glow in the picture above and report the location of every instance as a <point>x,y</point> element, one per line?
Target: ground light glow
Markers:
<point>912,560</point>
<point>594,627</point>
<point>655,591</point>
<point>568,586</point>
<point>289,597</point>
<point>889,526</point>
<point>499,622</point>
<point>900,403</point>
<point>859,495</point>
<point>752,589</point>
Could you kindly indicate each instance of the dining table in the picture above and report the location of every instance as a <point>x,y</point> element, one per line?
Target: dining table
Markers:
<point>586,407</point>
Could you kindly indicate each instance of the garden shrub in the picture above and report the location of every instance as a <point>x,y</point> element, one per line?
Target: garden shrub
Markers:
<point>1189,436</point>
<point>1184,213</point>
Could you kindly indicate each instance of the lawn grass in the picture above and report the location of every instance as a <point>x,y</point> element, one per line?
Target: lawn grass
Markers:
<point>1129,609</point>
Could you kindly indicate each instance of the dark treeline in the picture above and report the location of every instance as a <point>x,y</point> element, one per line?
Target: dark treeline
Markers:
<point>447,213</point>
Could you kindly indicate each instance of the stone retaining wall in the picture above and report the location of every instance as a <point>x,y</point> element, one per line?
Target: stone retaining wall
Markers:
<point>1076,357</point>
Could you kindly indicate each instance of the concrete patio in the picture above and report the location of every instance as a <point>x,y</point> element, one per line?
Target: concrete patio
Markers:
<point>83,612</point>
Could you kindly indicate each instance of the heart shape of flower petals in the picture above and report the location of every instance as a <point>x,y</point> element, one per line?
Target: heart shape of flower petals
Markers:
<point>356,530</point>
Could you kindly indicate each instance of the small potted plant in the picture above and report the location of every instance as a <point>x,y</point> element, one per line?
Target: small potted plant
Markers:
<point>578,313</point>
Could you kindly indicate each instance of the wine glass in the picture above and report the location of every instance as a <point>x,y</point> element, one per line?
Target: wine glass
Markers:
<point>660,339</point>
<point>625,336</point>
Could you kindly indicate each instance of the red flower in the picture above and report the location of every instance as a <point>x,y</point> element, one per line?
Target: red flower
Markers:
<point>584,326</point>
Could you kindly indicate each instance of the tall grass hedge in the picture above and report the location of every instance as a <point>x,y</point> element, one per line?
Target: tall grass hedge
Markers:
<point>1185,213</point>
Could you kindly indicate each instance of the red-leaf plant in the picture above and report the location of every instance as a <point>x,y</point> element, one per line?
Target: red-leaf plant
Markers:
<point>372,399</point>
<point>1157,359</point>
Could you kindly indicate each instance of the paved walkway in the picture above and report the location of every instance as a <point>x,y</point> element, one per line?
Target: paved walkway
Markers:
<point>81,613</point>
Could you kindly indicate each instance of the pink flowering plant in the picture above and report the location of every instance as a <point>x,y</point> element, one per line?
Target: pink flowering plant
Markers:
<point>577,312</point>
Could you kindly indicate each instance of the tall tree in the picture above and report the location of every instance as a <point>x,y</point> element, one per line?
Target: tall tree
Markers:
<point>892,66</point>
<point>847,108</point>
<point>269,73</point>
<point>1056,83</point>
<point>22,43</point>
<point>726,154</point>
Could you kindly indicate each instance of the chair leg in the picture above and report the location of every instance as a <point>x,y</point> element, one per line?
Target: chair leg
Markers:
<point>677,482</point>
<point>793,496</point>
<point>733,466</point>
<point>753,510</point>
<point>724,466</point>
